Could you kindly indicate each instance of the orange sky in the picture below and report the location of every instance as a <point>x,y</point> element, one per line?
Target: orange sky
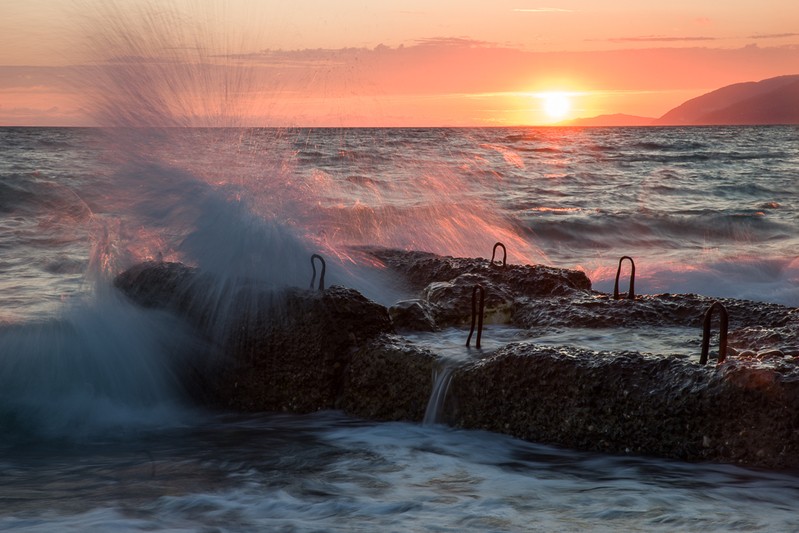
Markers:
<point>379,63</point>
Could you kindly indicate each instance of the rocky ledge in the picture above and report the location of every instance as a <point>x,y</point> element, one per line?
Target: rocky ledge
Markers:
<point>300,351</point>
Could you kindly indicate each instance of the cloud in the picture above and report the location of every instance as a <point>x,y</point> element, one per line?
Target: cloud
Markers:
<point>36,78</point>
<point>447,65</point>
<point>138,60</point>
<point>460,42</point>
<point>774,35</point>
<point>542,10</point>
<point>27,112</point>
<point>432,76</point>
<point>659,39</point>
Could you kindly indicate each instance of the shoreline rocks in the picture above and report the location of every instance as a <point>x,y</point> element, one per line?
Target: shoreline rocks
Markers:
<point>632,403</point>
<point>300,351</point>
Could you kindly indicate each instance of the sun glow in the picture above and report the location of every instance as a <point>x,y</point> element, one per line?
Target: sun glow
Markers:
<point>556,105</point>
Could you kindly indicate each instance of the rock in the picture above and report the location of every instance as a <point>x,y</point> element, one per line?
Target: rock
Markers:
<point>414,315</point>
<point>765,355</point>
<point>768,341</point>
<point>156,284</point>
<point>292,355</point>
<point>420,269</point>
<point>445,284</point>
<point>388,379</point>
<point>538,296</point>
<point>451,302</point>
<point>281,350</point>
<point>602,311</point>
<point>613,402</point>
<point>300,351</point>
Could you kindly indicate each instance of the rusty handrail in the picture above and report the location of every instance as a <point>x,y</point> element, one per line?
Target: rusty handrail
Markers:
<point>631,293</point>
<point>321,275</point>
<point>475,314</point>
<point>504,255</point>
<point>723,325</point>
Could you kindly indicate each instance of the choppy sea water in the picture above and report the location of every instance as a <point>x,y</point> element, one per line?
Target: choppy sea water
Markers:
<point>325,472</point>
<point>96,435</point>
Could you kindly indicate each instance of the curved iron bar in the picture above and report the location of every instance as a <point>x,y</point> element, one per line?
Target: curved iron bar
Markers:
<point>631,293</point>
<point>322,275</point>
<point>479,316</point>
<point>723,324</point>
<point>504,255</point>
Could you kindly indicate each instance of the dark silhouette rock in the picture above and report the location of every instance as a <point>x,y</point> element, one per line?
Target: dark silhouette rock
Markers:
<point>631,403</point>
<point>156,284</point>
<point>280,350</point>
<point>414,315</point>
<point>298,350</point>
<point>770,101</point>
<point>291,355</point>
<point>445,285</point>
<point>420,269</point>
<point>598,310</point>
<point>389,379</point>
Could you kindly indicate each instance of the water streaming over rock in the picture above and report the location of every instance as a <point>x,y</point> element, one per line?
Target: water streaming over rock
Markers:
<point>441,381</point>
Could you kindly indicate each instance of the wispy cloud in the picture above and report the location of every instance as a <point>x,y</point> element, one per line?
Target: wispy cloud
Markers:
<point>659,39</point>
<point>423,81</point>
<point>461,42</point>
<point>542,10</point>
<point>774,35</point>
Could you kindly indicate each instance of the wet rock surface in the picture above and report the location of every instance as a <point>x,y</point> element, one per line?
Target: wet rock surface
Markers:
<point>422,268</point>
<point>631,403</point>
<point>292,355</point>
<point>280,350</point>
<point>298,350</point>
<point>413,315</point>
<point>389,378</point>
<point>534,296</point>
<point>761,342</point>
<point>156,284</point>
<point>602,311</point>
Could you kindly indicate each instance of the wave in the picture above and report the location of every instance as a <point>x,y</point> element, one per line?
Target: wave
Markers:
<point>757,278</point>
<point>668,146</point>
<point>588,229</point>
<point>103,367</point>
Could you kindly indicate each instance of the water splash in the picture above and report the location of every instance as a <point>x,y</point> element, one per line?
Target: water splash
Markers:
<point>764,279</point>
<point>180,179</point>
<point>103,367</point>
<point>161,71</point>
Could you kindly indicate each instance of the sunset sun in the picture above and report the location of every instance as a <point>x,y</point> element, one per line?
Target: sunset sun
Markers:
<point>556,105</point>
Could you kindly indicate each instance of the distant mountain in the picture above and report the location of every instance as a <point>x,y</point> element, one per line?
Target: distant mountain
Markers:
<point>771,101</point>
<point>619,119</point>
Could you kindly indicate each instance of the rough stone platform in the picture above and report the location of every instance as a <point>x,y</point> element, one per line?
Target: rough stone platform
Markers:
<point>300,351</point>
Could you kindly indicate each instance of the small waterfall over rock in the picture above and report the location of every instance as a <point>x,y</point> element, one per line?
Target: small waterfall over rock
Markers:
<point>441,381</point>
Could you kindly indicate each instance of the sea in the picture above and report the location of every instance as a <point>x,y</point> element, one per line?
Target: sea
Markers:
<point>97,435</point>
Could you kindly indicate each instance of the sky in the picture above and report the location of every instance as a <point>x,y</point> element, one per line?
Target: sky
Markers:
<point>378,63</point>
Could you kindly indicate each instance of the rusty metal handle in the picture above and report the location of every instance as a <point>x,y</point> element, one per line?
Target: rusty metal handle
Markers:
<point>475,314</point>
<point>504,255</point>
<point>723,325</point>
<point>322,275</point>
<point>631,293</point>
